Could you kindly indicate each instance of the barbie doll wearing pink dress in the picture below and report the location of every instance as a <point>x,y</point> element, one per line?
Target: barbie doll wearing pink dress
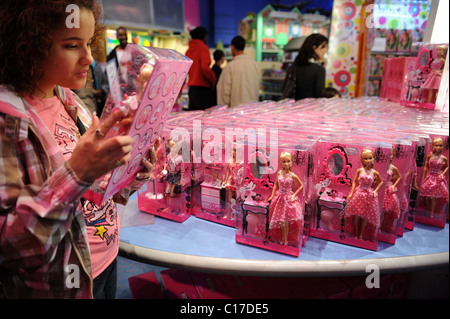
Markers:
<point>434,189</point>
<point>363,203</point>
<point>285,209</point>
<point>231,181</point>
<point>391,203</point>
<point>433,81</point>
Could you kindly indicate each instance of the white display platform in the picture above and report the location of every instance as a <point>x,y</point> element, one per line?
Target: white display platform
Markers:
<point>200,245</point>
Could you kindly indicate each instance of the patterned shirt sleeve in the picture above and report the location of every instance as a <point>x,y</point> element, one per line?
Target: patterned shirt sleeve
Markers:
<point>36,210</point>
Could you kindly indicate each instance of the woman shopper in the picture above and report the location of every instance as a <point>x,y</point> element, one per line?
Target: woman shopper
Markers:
<point>306,76</point>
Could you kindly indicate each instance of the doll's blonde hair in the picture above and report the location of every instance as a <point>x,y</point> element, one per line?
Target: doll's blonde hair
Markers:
<point>143,76</point>
<point>286,154</point>
<point>364,152</point>
<point>435,140</point>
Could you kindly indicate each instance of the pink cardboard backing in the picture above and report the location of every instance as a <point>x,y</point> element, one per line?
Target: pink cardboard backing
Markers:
<point>170,70</point>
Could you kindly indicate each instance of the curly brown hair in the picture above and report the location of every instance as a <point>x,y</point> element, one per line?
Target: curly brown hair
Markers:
<point>25,38</point>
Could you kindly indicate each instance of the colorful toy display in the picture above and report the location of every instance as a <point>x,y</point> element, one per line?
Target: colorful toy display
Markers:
<point>282,172</point>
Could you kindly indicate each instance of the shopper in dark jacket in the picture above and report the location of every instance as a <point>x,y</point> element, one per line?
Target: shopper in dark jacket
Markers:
<point>310,74</point>
<point>219,58</point>
<point>202,79</point>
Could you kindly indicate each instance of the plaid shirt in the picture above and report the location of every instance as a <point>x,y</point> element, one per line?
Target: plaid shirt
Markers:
<point>44,250</point>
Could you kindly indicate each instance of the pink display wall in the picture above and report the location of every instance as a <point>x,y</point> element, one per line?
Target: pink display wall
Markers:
<point>343,46</point>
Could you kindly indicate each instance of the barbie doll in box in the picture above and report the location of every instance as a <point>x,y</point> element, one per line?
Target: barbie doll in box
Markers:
<point>391,203</point>
<point>173,168</point>
<point>434,189</point>
<point>363,206</point>
<point>285,208</point>
<point>231,180</point>
<point>433,81</point>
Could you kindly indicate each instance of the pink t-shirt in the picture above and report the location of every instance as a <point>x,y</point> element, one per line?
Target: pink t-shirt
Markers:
<point>102,221</point>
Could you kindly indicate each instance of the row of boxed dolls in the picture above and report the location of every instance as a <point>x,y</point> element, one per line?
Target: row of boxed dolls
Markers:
<point>300,157</point>
<point>351,171</point>
<point>399,40</point>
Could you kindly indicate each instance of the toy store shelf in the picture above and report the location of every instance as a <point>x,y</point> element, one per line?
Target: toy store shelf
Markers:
<point>397,53</point>
<point>200,245</point>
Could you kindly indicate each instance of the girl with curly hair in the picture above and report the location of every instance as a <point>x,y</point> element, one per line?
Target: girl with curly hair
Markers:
<point>52,243</point>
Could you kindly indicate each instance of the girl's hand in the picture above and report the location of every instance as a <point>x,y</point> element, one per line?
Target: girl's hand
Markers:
<point>94,156</point>
<point>375,193</point>
<point>293,198</point>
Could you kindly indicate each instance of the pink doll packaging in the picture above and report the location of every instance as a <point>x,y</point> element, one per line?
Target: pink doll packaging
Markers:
<point>404,40</point>
<point>432,183</point>
<point>347,209</point>
<point>218,178</point>
<point>391,40</point>
<point>419,143</point>
<point>145,91</point>
<point>415,160</point>
<point>274,215</point>
<point>168,193</point>
<point>401,173</point>
<point>423,83</point>
<point>393,85</point>
<point>395,201</point>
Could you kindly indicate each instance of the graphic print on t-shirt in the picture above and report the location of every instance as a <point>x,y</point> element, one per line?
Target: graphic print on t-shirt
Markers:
<point>65,137</point>
<point>102,218</point>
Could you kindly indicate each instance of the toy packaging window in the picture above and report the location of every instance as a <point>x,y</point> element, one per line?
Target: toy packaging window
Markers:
<point>218,180</point>
<point>342,172</point>
<point>273,199</point>
<point>168,192</point>
<point>423,83</point>
<point>432,183</point>
<point>145,88</point>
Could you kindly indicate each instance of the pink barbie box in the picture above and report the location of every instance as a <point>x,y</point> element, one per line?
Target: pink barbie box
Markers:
<point>423,83</point>
<point>145,88</point>
<point>332,219</point>
<point>167,194</point>
<point>432,202</point>
<point>268,225</point>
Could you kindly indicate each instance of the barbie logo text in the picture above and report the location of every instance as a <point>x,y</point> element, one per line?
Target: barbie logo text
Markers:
<point>73,18</point>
